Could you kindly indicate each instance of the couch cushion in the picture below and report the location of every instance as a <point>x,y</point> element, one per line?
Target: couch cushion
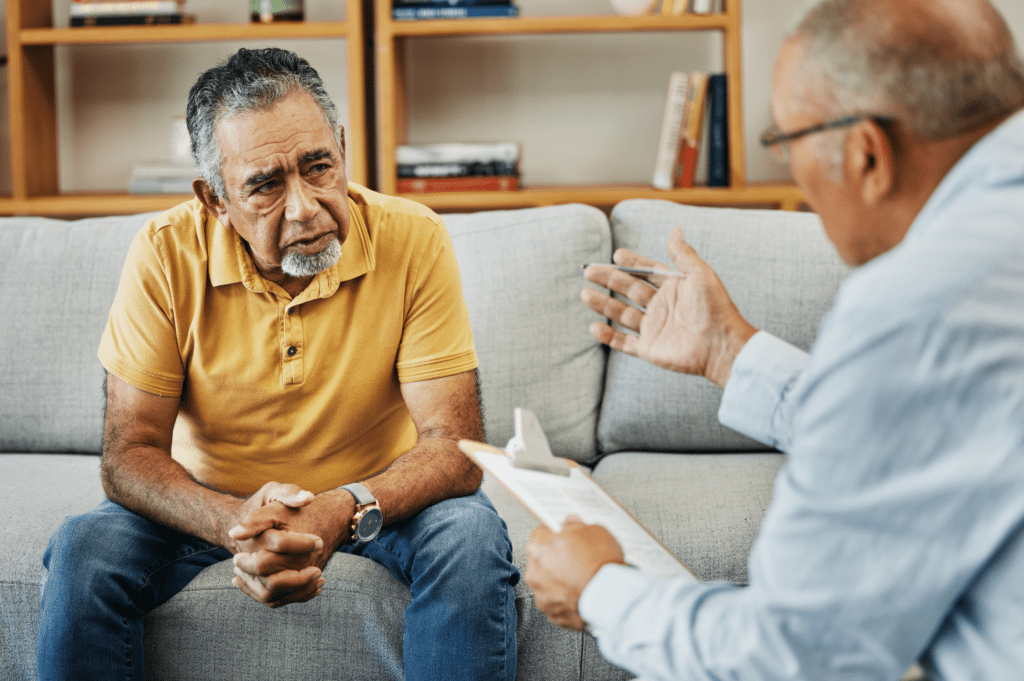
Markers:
<point>57,281</point>
<point>522,279</point>
<point>705,508</point>
<point>781,272</point>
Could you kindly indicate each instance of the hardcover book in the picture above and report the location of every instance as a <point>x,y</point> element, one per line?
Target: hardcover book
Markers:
<point>718,131</point>
<point>487,183</point>
<point>671,125</point>
<point>93,9</point>
<point>131,20</point>
<point>411,13</point>
<point>458,169</point>
<point>693,126</point>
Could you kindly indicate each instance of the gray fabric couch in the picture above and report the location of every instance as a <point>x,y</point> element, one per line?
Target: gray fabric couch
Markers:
<point>652,437</point>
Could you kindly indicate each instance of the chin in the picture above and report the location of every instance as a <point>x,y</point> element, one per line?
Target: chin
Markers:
<point>296,264</point>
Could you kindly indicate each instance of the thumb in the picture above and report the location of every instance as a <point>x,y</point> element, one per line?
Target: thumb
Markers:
<point>683,255</point>
<point>291,496</point>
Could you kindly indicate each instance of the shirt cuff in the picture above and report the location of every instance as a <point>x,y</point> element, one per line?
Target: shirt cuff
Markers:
<point>763,371</point>
<point>611,594</point>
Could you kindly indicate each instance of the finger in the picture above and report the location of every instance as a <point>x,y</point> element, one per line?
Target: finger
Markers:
<point>264,563</point>
<point>572,521</point>
<point>682,253</point>
<point>285,541</point>
<point>627,258</point>
<point>291,496</point>
<point>615,339</point>
<point>615,310</point>
<point>286,587</point>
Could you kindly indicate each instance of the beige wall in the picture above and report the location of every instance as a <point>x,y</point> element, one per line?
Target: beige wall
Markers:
<point>586,108</point>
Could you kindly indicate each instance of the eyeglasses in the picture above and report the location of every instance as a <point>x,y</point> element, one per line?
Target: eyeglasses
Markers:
<point>778,141</point>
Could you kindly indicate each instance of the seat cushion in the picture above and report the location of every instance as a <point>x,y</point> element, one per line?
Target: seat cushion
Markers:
<point>705,508</point>
<point>522,279</point>
<point>781,272</point>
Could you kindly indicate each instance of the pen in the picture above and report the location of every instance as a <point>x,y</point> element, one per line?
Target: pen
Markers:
<point>637,270</point>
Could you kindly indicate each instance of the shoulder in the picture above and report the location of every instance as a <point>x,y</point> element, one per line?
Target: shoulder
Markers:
<point>398,215</point>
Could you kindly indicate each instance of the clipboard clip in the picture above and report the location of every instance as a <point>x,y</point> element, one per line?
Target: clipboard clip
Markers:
<point>529,447</point>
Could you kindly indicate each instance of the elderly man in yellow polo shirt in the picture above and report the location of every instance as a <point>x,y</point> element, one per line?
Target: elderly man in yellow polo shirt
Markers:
<point>290,367</point>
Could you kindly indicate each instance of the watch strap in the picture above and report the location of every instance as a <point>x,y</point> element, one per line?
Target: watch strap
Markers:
<point>362,495</point>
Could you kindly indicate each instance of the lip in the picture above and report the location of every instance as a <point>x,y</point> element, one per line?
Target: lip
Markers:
<point>314,245</point>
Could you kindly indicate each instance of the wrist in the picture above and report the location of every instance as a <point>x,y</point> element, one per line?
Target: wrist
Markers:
<point>729,347</point>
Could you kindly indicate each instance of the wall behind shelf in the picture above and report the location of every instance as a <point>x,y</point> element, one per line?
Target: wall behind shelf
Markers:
<point>95,154</point>
<point>587,108</point>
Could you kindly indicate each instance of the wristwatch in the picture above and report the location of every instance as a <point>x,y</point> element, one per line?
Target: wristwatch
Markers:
<point>368,519</point>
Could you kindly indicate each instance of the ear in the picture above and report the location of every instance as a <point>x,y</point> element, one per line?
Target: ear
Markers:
<point>341,141</point>
<point>870,162</point>
<point>213,203</point>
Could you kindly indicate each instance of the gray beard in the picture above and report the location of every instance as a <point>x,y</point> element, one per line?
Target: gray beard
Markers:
<point>301,265</point>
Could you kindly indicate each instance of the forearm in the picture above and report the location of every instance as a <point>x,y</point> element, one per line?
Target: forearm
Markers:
<point>432,471</point>
<point>147,481</point>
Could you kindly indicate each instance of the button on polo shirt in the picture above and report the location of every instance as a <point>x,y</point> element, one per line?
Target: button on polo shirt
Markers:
<point>305,389</point>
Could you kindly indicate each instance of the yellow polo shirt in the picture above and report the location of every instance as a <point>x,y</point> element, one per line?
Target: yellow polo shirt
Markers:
<point>302,390</point>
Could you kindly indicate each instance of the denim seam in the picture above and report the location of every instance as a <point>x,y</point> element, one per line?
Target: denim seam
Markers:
<point>150,573</point>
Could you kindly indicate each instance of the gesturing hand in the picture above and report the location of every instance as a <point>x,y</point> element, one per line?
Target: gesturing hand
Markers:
<point>276,563</point>
<point>687,324</point>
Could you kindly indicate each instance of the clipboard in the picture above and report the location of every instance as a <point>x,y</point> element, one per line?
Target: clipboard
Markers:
<point>552,488</point>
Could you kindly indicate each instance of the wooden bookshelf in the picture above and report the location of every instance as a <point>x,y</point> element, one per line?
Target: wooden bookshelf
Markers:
<point>392,36</point>
<point>31,41</point>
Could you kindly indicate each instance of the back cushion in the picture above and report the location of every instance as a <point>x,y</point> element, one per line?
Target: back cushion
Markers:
<point>779,269</point>
<point>57,281</point>
<point>522,279</point>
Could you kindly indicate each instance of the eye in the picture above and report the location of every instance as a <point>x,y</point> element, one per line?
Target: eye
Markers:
<point>319,168</point>
<point>266,187</point>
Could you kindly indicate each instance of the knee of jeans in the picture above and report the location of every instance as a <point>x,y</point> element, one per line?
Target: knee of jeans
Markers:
<point>79,545</point>
<point>475,531</point>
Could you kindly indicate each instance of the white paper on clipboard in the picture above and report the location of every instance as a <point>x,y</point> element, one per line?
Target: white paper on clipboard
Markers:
<point>552,497</point>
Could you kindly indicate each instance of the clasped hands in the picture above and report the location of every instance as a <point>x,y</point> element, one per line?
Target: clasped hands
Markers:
<point>282,541</point>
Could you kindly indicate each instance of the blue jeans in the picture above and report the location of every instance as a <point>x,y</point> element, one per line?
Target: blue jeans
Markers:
<point>109,567</point>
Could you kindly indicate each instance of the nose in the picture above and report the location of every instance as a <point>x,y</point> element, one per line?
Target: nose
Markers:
<point>300,202</point>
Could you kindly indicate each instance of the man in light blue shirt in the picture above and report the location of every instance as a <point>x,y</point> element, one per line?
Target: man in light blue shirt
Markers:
<point>896,531</point>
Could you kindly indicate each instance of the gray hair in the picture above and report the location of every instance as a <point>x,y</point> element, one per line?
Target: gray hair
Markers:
<point>941,75</point>
<point>249,80</point>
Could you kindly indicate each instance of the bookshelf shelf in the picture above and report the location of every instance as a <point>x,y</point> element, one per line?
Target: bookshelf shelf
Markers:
<point>587,24</point>
<point>184,33</point>
<point>393,109</point>
<point>32,102</point>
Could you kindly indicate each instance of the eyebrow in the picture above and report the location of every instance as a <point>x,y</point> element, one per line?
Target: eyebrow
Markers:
<point>260,177</point>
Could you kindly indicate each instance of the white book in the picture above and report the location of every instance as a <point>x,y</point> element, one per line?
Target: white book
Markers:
<point>456,152</point>
<point>671,129</point>
<point>145,7</point>
<point>553,488</point>
<point>701,6</point>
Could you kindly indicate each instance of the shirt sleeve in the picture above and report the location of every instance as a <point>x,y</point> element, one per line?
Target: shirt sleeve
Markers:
<point>139,344</point>
<point>436,340</point>
<point>881,519</point>
<point>758,399</point>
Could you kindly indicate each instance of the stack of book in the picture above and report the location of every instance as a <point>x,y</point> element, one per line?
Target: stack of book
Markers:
<point>127,12</point>
<point>451,9</point>
<point>678,7</point>
<point>162,177</point>
<point>458,167</point>
<point>683,127</point>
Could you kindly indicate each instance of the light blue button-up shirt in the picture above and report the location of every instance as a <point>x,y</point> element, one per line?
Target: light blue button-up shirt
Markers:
<point>896,530</point>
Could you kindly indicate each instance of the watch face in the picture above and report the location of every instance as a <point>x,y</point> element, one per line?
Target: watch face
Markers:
<point>369,524</point>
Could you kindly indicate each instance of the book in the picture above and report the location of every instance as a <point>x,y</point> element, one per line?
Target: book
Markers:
<point>552,488</point>
<point>718,131</point>
<point>701,6</point>
<point>131,20</point>
<point>693,126</point>
<point>161,177</point>
<point>447,3</point>
<point>458,169</point>
<point>94,9</point>
<point>407,13</point>
<point>480,183</point>
<point>671,125</point>
<point>458,152</point>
